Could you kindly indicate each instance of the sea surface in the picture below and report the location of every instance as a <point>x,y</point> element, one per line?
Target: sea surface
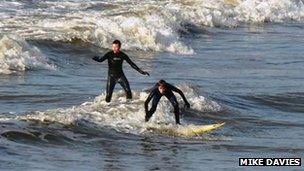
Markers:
<point>237,61</point>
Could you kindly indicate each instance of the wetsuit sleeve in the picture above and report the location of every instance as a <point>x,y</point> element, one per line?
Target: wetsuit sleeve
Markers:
<point>173,88</point>
<point>133,65</point>
<point>101,59</point>
<point>149,99</point>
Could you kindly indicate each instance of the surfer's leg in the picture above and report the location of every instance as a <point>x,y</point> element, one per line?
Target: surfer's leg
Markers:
<point>126,86</point>
<point>110,87</point>
<point>174,103</point>
<point>153,108</point>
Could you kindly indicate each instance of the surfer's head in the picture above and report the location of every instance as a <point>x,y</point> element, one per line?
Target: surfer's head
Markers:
<point>162,86</point>
<point>116,46</point>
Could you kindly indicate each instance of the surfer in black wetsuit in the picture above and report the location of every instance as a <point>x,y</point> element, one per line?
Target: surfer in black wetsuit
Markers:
<point>115,74</point>
<point>162,88</point>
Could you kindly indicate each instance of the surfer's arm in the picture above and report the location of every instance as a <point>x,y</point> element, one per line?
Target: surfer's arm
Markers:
<point>148,100</point>
<point>133,65</point>
<point>173,88</point>
<point>101,59</point>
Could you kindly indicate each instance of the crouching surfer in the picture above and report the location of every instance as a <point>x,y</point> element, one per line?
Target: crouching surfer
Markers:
<point>162,88</point>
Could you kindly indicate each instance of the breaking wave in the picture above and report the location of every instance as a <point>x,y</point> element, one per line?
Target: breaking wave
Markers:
<point>17,55</point>
<point>140,25</point>
<point>120,115</point>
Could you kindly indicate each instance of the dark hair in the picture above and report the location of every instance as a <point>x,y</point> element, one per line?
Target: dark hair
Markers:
<point>117,42</point>
<point>162,82</point>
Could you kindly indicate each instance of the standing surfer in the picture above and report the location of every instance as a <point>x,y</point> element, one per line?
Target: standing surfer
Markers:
<point>115,73</point>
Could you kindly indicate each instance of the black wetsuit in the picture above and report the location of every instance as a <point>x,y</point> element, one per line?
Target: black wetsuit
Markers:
<point>156,95</point>
<point>116,74</point>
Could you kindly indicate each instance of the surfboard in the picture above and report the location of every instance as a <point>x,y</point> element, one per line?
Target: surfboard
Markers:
<point>232,2</point>
<point>185,130</point>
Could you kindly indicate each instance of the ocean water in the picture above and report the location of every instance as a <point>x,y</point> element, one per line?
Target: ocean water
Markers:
<point>237,61</point>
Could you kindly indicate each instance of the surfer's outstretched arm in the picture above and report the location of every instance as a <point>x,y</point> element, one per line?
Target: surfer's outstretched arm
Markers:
<point>133,65</point>
<point>101,59</point>
<point>173,88</point>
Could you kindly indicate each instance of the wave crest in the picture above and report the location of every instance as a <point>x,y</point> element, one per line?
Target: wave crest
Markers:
<point>140,25</point>
<point>122,115</point>
<point>17,55</point>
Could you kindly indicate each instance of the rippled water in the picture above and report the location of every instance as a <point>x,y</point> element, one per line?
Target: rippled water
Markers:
<point>239,62</point>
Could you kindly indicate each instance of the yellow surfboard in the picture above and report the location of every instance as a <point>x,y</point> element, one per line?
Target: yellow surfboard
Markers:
<point>232,2</point>
<point>185,130</point>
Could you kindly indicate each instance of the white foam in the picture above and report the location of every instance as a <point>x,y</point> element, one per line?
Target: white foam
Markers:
<point>143,25</point>
<point>17,55</point>
<point>122,115</point>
